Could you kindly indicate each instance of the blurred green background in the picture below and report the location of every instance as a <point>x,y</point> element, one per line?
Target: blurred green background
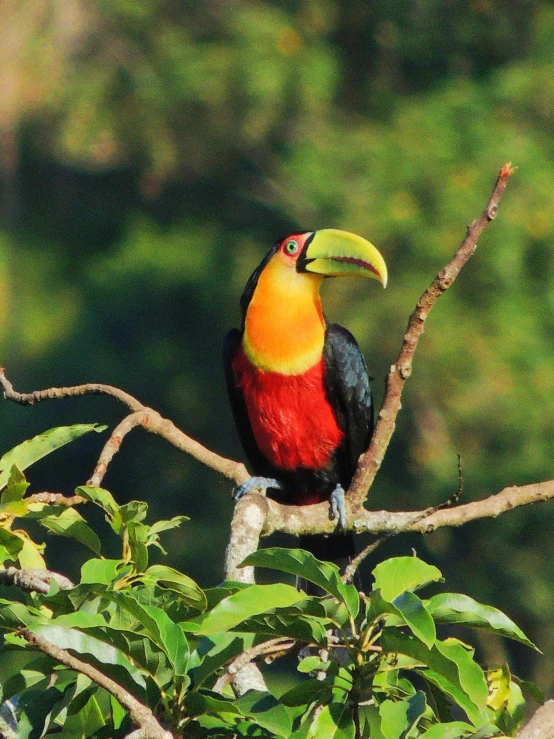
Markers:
<point>150,153</point>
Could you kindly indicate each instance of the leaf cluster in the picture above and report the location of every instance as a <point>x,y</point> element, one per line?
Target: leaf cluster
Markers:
<point>370,665</point>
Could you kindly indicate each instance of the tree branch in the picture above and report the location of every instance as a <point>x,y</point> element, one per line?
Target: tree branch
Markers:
<point>371,460</point>
<point>33,580</point>
<point>141,716</point>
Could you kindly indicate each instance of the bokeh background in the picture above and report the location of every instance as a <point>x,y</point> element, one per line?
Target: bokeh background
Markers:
<point>152,150</point>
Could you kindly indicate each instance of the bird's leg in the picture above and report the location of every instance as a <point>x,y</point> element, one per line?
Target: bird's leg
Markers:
<point>338,507</point>
<point>256,483</point>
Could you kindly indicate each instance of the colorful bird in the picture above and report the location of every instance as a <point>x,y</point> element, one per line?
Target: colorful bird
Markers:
<point>298,385</point>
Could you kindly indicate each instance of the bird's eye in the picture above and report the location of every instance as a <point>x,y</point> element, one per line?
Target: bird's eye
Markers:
<point>291,247</point>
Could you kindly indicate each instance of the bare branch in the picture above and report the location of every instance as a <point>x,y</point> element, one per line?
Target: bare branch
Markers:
<point>143,416</point>
<point>54,393</point>
<point>249,518</point>
<point>141,716</point>
<point>299,520</point>
<point>33,580</point>
<point>371,460</point>
<point>55,499</point>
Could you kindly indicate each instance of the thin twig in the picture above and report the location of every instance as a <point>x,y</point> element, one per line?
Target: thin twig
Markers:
<point>54,393</point>
<point>143,416</point>
<point>371,460</point>
<point>55,499</point>
<point>350,570</point>
<point>141,716</point>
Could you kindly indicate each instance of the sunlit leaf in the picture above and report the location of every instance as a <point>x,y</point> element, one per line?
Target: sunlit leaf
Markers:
<point>234,609</point>
<point>303,564</point>
<point>334,721</point>
<point>101,497</point>
<point>451,608</point>
<point>267,712</point>
<point>30,451</point>
<point>102,570</point>
<point>410,610</point>
<point>71,524</point>
<point>394,576</point>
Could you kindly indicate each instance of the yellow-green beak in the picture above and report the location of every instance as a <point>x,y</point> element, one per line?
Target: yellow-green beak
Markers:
<point>335,253</point>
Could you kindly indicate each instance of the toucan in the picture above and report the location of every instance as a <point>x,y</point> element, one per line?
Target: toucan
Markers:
<point>298,385</point>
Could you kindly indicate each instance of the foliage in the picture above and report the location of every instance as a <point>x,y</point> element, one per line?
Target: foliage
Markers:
<point>152,151</point>
<point>371,664</point>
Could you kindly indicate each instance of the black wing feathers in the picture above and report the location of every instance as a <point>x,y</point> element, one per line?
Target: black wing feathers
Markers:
<point>349,392</point>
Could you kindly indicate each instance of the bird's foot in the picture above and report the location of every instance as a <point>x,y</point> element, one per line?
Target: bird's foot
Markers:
<point>338,507</point>
<point>256,483</point>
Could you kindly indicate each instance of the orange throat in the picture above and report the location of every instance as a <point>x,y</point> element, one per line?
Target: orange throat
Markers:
<point>284,326</point>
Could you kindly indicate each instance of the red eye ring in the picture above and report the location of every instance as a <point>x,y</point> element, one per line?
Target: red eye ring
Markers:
<point>291,247</point>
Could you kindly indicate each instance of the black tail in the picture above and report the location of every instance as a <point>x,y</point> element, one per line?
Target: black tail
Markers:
<point>336,548</point>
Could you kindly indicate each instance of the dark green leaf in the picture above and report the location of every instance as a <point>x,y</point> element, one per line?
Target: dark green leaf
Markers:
<point>156,624</point>
<point>32,450</point>
<point>306,692</point>
<point>398,574</point>
<point>198,703</point>
<point>17,486</point>
<point>170,579</point>
<point>303,564</point>
<point>135,510</point>
<point>10,545</point>
<point>215,651</point>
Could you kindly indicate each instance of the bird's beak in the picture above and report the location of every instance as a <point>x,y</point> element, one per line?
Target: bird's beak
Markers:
<point>335,253</point>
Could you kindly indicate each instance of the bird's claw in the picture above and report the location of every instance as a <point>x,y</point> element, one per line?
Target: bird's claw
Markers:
<point>255,483</point>
<point>338,507</point>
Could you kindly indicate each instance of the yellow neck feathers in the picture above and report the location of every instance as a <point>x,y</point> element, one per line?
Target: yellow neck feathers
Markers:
<point>284,328</point>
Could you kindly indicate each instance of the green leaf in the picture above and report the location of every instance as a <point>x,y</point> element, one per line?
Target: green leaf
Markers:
<point>17,486</point>
<point>450,730</point>
<point>396,575</point>
<point>449,608</point>
<point>67,638</point>
<point>267,712</point>
<point>156,624</point>
<point>234,609</point>
<point>310,664</point>
<point>306,692</point>
<point>398,717</point>
<point>303,564</point>
<point>449,666</point>
<point>71,524</point>
<point>100,497</point>
<point>10,545</point>
<point>135,510</point>
<point>334,721</point>
<point>104,571</point>
<point>215,651</point>
<point>138,536</point>
<point>170,579</point>
<point>410,610</point>
<point>197,704</point>
<point>172,523</point>
<point>32,450</point>
<point>394,719</point>
<point>288,622</point>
